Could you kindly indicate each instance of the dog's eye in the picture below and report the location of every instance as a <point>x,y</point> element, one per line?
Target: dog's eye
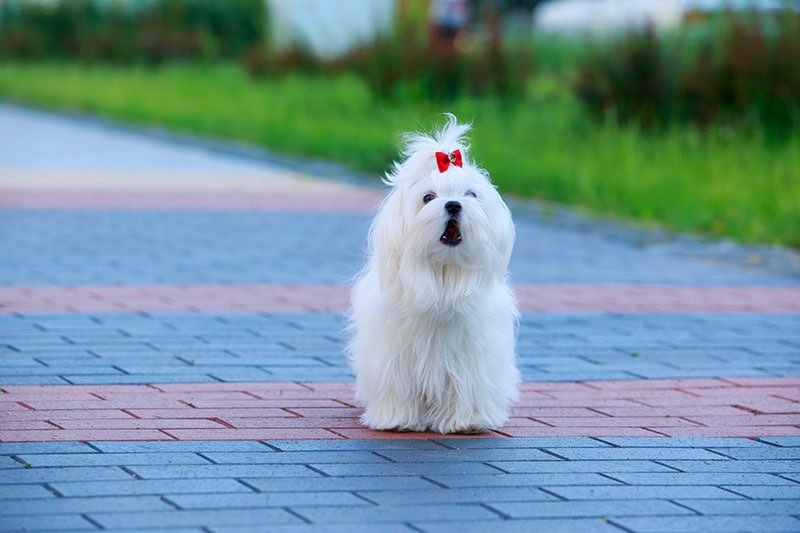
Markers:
<point>472,194</point>
<point>428,197</point>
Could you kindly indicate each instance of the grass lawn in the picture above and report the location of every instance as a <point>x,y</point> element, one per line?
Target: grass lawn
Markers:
<point>720,182</point>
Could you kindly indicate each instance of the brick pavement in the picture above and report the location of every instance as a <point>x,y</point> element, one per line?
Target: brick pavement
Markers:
<point>171,357</point>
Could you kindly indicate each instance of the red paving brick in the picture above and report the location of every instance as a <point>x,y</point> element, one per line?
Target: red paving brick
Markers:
<point>335,298</point>
<point>246,411</point>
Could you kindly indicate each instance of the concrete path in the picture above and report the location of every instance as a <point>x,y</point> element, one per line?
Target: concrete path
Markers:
<point>171,358</point>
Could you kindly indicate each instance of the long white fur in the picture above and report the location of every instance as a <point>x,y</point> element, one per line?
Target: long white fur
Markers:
<point>434,326</point>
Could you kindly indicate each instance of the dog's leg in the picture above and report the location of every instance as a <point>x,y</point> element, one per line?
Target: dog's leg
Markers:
<point>391,412</point>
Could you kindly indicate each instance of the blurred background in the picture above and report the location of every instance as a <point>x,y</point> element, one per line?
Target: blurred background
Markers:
<point>678,113</point>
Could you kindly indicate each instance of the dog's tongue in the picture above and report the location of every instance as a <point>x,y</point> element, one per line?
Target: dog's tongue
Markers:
<point>451,235</point>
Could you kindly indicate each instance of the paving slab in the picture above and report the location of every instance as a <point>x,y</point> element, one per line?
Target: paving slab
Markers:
<point>172,356</point>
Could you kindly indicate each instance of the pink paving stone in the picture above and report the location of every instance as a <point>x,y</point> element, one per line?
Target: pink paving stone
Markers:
<point>194,396</point>
<point>252,434</point>
<point>742,392</point>
<point>340,412</point>
<point>18,425</point>
<point>730,432</point>
<point>7,407</point>
<point>611,422</point>
<point>519,421</point>
<point>699,383</point>
<point>355,200</point>
<point>133,423</point>
<point>255,404</point>
<point>286,423</point>
<point>576,412</point>
<point>94,414</point>
<point>686,411</point>
<point>83,435</point>
<point>369,434</point>
<point>748,420</point>
<point>624,394</point>
<point>334,298</point>
<point>131,403</point>
<point>225,387</point>
<point>765,382</point>
<point>163,411</point>
<point>188,412</point>
<point>544,431</point>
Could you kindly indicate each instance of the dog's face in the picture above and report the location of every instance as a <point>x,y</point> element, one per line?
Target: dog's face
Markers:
<point>452,220</point>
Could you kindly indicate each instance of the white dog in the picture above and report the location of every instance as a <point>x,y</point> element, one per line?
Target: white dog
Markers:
<point>433,317</point>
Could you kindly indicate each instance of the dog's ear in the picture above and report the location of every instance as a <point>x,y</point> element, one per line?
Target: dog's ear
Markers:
<point>505,234</point>
<point>386,237</point>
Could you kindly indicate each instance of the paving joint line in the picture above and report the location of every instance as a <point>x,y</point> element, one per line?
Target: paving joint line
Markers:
<point>248,485</point>
<point>89,519</point>
<point>501,514</point>
<point>165,499</point>
<point>316,470</point>
<point>297,514</point>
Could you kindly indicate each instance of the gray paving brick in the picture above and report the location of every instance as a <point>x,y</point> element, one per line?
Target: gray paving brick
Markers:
<point>329,528</point>
<point>8,463</point>
<point>16,448</point>
<point>555,467</point>
<point>63,506</point>
<point>267,457</point>
<point>700,478</point>
<point>458,495</point>
<point>196,518</point>
<point>782,441</point>
<point>62,473</point>
<point>181,446</point>
<point>566,525</point>
<point>468,454</point>
<point>22,492</point>
<point>70,522</point>
<point>113,459</point>
<point>353,445</point>
<point>407,513</point>
<point>769,492</point>
<point>325,484</point>
<point>149,486</point>
<point>221,471</point>
<point>589,509</point>
<point>579,352</point>
<point>141,379</point>
<point>763,465</point>
<point>710,524</point>
<point>742,507</point>
<point>285,499</point>
<point>689,442</point>
<point>519,480</point>
<point>757,454</point>
<point>523,442</point>
<point>404,469</point>
<point>669,492</point>
<point>622,454</point>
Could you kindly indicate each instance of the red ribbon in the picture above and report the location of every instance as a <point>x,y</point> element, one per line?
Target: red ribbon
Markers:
<point>444,160</point>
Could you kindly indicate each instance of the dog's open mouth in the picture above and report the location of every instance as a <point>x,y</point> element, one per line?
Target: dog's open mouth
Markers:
<point>451,235</point>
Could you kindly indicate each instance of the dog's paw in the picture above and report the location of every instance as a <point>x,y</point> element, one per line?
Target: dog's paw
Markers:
<point>471,429</point>
<point>389,424</point>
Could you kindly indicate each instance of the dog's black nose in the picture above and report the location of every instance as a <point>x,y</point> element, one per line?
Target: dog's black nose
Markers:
<point>453,208</point>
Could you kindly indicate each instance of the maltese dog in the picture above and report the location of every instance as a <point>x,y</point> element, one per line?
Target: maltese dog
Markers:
<point>433,316</point>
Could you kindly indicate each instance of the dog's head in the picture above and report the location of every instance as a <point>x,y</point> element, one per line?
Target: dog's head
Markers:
<point>442,214</point>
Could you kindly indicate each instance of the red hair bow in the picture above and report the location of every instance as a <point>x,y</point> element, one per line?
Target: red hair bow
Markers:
<point>444,160</point>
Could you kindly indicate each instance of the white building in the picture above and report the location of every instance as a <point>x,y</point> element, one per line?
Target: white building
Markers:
<point>328,27</point>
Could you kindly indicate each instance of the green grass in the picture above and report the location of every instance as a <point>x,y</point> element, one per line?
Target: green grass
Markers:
<point>719,181</point>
